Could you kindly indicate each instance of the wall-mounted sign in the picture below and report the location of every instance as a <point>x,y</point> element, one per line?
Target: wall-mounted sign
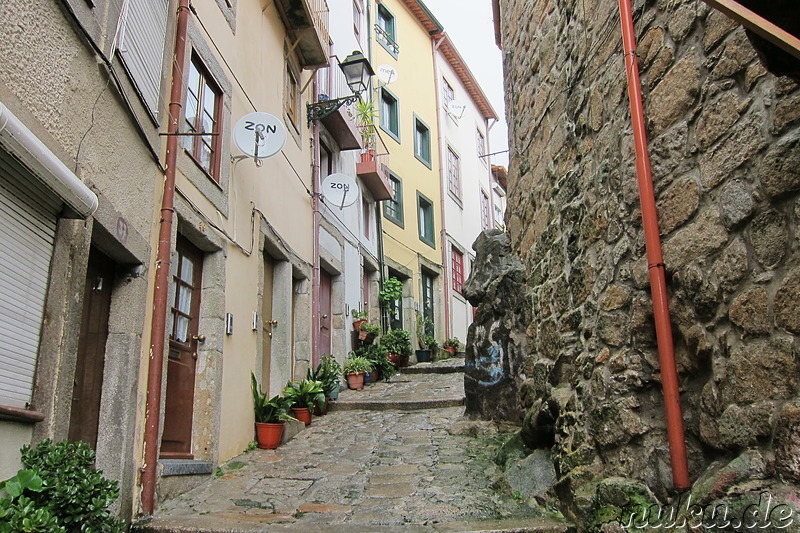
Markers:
<point>456,108</point>
<point>387,74</point>
<point>340,190</point>
<point>259,135</point>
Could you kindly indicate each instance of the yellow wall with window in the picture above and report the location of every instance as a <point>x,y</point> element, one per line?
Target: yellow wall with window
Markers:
<point>414,95</point>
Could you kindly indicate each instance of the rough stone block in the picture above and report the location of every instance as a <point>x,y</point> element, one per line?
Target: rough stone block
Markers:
<point>715,119</point>
<point>787,442</point>
<point>760,370</point>
<point>787,303</point>
<point>675,94</point>
<point>745,142</point>
<point>677,204</point>
<point>699,239</point>
<point>780,169</point>
<point>750,311</point>
<point>736,203</point>
<point>769,237</point>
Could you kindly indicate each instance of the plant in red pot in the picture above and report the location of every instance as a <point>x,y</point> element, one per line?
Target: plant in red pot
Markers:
<point>302,395</point>
<point>270,416</point>
<point>359,318</point>
<point>355,367</point>
<point>398,345</point>
<point>451,345</point>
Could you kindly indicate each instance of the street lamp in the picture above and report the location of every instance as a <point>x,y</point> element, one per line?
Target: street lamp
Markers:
<point>357,72</point>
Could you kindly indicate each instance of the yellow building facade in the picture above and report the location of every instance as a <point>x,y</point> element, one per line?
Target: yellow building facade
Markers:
<point>405,99</point>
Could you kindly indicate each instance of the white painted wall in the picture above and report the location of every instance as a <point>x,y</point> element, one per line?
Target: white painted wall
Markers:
<point>462,216</point>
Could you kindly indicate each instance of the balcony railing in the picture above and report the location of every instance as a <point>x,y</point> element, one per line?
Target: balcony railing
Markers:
<point>307,23</point>
<point>386,40</point>
<point>374,166</point>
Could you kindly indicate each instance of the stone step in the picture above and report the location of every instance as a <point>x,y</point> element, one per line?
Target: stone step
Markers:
<point>389,405</point>
<point>448,366</point>
<point>257,523</point>
<point>405,392</point>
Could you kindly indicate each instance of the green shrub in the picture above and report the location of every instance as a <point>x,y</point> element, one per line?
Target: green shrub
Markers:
<point>60,492</point>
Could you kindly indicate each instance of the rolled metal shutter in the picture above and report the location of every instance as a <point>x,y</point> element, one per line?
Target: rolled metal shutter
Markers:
<point>142,46</point>
<point>28,217</point>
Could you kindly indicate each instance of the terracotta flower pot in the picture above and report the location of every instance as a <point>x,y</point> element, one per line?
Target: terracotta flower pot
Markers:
<point>452,349</point>
<point>303,414</point>
<point>269,435</point>
<point>321,409</point>
<point>355,381</point>
<point>357,324</point>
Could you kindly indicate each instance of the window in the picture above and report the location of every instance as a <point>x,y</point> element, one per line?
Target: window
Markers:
<point>357,20</point>
<point>291,93</point>
<point>141,47</point>
<point>203,111</point>
<point>396,307</point>
<point>458,269</point>
<point>390,114</point>
<point>422,142</point>
<point>481,145</point>
<point>386,30</point>
<point>365,209</point>
<point>427,301</point>
<point>453,173</point>
<point>447,93</point>
<point>486,215</point>
<point>425,220</point>
<point>393,209</point>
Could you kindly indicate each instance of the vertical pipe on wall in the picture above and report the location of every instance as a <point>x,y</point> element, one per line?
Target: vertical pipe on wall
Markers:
<point>655,261</point>
<point>164,251</point>
<point>315,287</point>
<point>436,42</point>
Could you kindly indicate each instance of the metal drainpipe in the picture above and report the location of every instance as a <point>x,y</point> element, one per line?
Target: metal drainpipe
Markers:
<point>160,293</point>
<point>655,261</point>
<point>315,318</point>
<point>442,185</point>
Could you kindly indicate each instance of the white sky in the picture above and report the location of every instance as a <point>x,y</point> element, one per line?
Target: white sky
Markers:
<point>470,25</point>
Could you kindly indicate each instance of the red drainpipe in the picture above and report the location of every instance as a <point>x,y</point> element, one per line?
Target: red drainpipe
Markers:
<point>160,293</point>
<point>655,260</point>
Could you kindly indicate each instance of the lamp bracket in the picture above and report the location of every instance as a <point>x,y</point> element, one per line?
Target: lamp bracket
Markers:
<point>325,108</point>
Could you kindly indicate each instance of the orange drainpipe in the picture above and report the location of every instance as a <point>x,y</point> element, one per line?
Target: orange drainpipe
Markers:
<point>160,293</point>
<point>655,260</point>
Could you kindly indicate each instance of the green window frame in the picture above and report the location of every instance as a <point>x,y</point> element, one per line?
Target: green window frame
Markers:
<point>425,222</point>
<point>386,30</point>
<point>422,141</point>
<point>393,209</point>
<point>389,112</point>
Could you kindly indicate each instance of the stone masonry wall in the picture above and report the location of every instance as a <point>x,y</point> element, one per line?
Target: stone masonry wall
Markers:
<point>725,147</point>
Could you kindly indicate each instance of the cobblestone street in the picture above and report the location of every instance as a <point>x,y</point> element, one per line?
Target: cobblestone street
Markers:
<point>357,469</point>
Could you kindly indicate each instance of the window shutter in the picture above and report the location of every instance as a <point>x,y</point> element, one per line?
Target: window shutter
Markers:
<point>142,47</point>
<point>28,216</point>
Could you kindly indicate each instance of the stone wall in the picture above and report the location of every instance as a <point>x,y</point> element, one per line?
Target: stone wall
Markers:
<point>725,149</point>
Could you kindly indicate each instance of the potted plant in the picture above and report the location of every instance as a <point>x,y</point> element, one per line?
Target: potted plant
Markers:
<point>354,368</point>
<point>429,348</point>
<point>398,345</point>
<point>328,372</point>
<point>302,395</point>
<point>270,416</point>
<point>359,317</point>
<point>377,355</point>
<point>452,345</point>
<point>369,331</point>
<point>365,115</point>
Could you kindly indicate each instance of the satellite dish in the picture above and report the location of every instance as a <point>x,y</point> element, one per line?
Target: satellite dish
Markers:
<point>387,74</point>
<point>259,135</point>
<point>340,190</point>
<point>456,109</point>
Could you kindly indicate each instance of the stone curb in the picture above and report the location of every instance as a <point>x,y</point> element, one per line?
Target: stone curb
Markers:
<point>408,405</point>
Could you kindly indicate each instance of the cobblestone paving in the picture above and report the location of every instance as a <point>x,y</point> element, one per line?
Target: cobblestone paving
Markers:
<point>355,470</point>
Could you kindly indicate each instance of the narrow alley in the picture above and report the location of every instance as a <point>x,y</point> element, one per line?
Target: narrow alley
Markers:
<point>391,457</point>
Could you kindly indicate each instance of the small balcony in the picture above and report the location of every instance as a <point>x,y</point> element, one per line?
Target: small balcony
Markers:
<point>331,85</point>
<point>306,23</point>
<point>373,169</point>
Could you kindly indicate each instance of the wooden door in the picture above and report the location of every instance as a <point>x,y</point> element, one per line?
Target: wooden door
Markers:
<point>176,441</point>
<point>325,284</point>
<point>90,362</point>
<point>267,323</point>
